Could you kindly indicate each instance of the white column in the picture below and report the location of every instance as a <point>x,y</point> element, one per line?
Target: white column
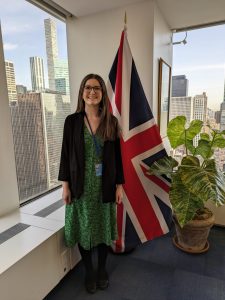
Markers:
<point>9,197</point>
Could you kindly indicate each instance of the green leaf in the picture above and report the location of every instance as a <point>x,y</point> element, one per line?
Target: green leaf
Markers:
<point>215,131</point>
<point>163,166</point>
<point>190,147</point>
<point>205,137</point>
<point>217,179</point>
<point>176,130</point>
<point>190,161</point>
<point>219,141</point>
<point>194,128</point>
<point>206,183</point>
<point>204,149</point>
<point>185,204</point>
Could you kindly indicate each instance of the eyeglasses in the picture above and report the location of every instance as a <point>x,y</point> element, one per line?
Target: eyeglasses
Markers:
<point>89,88</point>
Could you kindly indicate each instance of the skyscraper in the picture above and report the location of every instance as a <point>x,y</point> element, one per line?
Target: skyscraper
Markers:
<point>217,116</point>
<point>51,49</point>
<point>37,123</point>
<point>58,74</point>
<point>179,86</point>
<point>199,111</point>
<point>200,107</point>
<point>29,146</point>
<point>181,106</point>
<point>37,74</point>
<point>11,81</point>
<point>55,109</point>
<point>62,76</point>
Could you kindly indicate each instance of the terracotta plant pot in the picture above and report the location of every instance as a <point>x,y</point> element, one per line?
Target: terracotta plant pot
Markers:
<point>193,236</point>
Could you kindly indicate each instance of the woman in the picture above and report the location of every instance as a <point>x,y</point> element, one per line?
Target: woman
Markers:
<point>92,175</point>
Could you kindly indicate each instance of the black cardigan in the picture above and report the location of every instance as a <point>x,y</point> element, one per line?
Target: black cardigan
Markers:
<point>72,160</point>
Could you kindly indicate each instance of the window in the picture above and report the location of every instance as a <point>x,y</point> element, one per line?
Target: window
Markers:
<point>202,63</point>
<point>38,92</point>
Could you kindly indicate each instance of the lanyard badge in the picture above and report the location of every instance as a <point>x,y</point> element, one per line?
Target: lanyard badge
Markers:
<point>98,169</point>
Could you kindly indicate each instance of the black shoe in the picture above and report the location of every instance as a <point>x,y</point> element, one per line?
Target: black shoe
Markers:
<point>90,284</point>
<point>102,280</point>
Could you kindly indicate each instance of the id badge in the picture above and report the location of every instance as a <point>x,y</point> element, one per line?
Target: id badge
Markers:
<point>98,169</point>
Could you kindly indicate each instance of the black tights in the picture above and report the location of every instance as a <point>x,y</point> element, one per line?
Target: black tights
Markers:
<point>87,257</point>
<point>102,256</point>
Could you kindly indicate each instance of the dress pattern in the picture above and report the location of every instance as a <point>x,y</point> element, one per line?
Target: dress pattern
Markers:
<point>88,220</point>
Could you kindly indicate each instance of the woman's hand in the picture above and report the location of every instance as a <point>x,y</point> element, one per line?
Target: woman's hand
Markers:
<point>66,195</point>
<point>119,193</point>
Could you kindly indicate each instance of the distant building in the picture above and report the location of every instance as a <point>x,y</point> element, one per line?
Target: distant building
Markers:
<point>222,112</point>
<point>60,85</point>
<point>200,107</point>
<point>37,74</point>
<point>217,116</point>
<point>199,111</point>
<point>51,49</point>
<point>62,76</point>
<point>58,73</point>
<point>21,89</point>
<point>179,86</point>
<point>37,123</point>
<point>210,120</point>
<point>220,152</point>
<point>29,145</point>
<point>181,106</point>
<point>11,81</point>
<point>219,156</point>
<point>210,114</point>
<point>222,116</point>
<point>55,109</point>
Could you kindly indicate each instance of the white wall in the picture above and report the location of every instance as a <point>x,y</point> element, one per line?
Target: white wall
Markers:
<point>162,48</point>
<point>38,272</point>
<point>9,197</point>
<point>93,42</point>
<point>33,276</point>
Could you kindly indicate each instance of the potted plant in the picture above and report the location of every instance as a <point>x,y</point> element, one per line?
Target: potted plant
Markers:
<point>195,179</point>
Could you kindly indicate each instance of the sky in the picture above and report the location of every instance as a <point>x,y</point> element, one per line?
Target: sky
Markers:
<point>202,59</point>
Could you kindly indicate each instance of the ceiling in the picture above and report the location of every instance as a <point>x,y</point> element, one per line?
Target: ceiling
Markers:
<point>80,8</point>
<point>179,14</point>
<point>192,13</point>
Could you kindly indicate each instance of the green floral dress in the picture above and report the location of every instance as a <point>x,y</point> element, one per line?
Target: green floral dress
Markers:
<point>88,220</point>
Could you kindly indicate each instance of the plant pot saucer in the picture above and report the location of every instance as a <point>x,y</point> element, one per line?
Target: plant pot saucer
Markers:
<point>175,242</point>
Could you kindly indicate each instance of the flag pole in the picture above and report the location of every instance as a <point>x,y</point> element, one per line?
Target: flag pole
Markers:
<point>125,21</point>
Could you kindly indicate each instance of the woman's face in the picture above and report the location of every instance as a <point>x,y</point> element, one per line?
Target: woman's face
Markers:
<point>92,93</point>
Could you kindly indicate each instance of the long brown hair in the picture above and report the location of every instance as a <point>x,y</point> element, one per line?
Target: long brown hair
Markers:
<point>108,127</point>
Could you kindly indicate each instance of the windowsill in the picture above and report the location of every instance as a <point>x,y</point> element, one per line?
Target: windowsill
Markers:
<point>39,228</point>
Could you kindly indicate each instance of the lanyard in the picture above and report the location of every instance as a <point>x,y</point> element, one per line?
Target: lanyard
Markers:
<point>97,146</point>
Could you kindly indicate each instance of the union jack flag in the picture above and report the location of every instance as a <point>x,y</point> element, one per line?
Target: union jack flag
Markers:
<point>146,211</point>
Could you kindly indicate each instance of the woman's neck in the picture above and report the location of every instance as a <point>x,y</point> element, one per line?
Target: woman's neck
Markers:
<point>92,111</point>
